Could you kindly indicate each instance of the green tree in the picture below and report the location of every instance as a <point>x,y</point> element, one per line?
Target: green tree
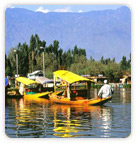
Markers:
<point>35,51</point>
<point>64,60</point>
<point>91,58</point>
<point>56,53</point>
<point>7,67</point>
<point>123,63</point>
<point>30,58</point>
<point>69,58</point>
<point>129,63</point>
<point>31,53</point>
<point>60,52</point>
<point>23,58</point>
<point>78,51</point>
<point>79,65</point>
<point>102,60</point>
<point>113,72</point>
<point>113,60</point>
<point>12,60</point>
<point>94,68</point>
<point>107,61</point>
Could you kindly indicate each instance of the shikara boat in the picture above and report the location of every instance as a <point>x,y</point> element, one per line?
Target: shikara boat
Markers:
<point>11,92</point>
<point>76,91</point>
<point>31,88</point>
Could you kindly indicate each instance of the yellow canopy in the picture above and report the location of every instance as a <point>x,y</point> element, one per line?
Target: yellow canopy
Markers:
<point>25,80</point>
<point>69,76</point>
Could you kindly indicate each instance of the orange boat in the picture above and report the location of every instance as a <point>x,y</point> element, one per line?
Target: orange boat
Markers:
<point>76,91</point>
<point>78,101</point>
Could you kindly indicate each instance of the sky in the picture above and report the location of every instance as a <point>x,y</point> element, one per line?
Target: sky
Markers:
<point>66,8</point>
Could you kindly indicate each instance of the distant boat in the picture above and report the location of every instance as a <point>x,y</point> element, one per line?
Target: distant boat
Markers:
<point>34,74</point>
<point>11,92</point>
<point>31,88</point>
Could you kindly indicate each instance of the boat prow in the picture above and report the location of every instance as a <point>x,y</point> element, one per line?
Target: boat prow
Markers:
<point>99,101</point>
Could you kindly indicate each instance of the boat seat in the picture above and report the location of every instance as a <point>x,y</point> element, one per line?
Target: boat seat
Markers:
<point>77,98</point>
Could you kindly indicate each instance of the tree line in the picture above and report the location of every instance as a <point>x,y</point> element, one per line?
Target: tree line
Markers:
<point>75,60</point>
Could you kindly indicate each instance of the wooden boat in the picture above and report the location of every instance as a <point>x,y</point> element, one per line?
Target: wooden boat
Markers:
<point>13,93</point>
<point>78,100</point>
<point>37,95</point>
<point>29,100</point>
<point>31,88</point>
<point>71,94</point>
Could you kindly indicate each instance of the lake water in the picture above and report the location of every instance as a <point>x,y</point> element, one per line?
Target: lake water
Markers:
<point>38,118</point>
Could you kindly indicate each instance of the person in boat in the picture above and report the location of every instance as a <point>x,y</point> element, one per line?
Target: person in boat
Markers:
<point>105,91</point>
<point>22,89</point>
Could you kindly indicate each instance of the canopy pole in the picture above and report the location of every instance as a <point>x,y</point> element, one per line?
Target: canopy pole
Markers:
<point>54,79</point>
<point>68,91</point>
<point>88,90</point>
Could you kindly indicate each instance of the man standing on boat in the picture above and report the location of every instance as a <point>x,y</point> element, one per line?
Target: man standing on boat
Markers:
<point>106,90</point>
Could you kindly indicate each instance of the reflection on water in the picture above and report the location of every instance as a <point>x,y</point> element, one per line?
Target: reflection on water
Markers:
<point>39,118</point>
<point>77,121</point>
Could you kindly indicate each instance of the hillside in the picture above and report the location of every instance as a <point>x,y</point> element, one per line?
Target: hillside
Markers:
<point>106,33</point>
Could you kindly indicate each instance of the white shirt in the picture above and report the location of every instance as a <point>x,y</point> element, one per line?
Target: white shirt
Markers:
<point>105,91</point>
<point>22,89</point>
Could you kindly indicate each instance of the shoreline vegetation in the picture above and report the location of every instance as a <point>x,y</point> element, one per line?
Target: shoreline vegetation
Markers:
<point>30,58</point>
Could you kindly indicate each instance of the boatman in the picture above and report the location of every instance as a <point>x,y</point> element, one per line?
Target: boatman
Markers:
<point>22,89</point>
<point>105,91</point>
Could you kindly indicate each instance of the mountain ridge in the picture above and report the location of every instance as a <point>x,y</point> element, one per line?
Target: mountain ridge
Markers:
<point>101,33</point>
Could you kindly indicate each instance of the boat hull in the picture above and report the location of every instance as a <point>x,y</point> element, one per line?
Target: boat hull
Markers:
<point>62,100</point>
<point>13,93</point>
<point>38,95</point>
<point>13,96</point>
